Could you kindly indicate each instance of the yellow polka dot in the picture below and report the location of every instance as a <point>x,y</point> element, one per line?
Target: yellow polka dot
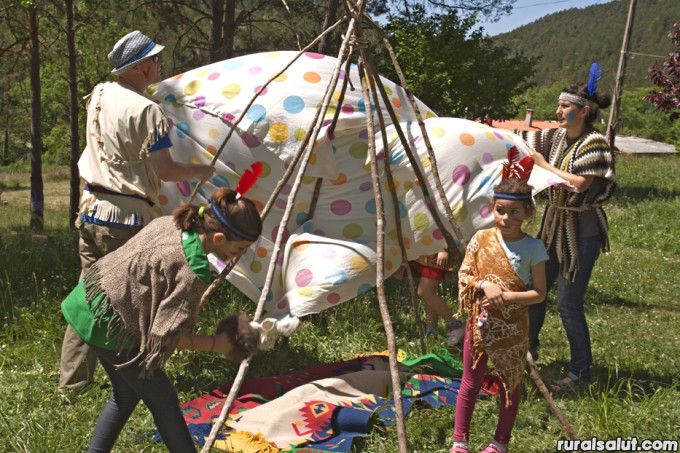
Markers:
<point>437,132</point>
<point>266,170</point>
<point>305,292</point>
<point>207,155</point>
<point>312,159</point>
<point>303,206</point>
<point>426,240</point>
<point>157,210</point>
<point>467,139</point>
<point>152,88</point>
<point>273,54</point>
<point>359,264</point>
<point>308,179</point>
<point>460,211</point>
<point>393,136</point>
<point>393,251</point>
<point>280,78</point>
<point>299,134</point>
<point>213,133</point>
<point>426,162</point>
<point>256,266</point>
<point>388,90</point>
<point>490,136</point>
<point>408,185</point>
<point>392,234</point>
<point>358,150</point>
<point>192,87</point>
<point>278,132</point>
<point>231,91</point>
<point>331,110</point>
<point>195,160</point>
<point>203,73</point>
<point>336,96</point>
<point>421,222</point>
<point>430,115</point>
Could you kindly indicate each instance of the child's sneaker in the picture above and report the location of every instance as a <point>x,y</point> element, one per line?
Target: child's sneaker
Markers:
<point>459,447</point>
<point>431,332</point>
<point>493,448</point>
<point>454,332</point>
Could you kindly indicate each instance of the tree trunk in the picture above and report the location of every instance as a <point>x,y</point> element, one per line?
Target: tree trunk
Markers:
<point>73,113</point>
<point>37,200</point>
<point>324,44</point>
<point>221,40</point>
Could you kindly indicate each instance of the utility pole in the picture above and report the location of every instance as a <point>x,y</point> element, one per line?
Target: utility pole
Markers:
<point>614,112</point>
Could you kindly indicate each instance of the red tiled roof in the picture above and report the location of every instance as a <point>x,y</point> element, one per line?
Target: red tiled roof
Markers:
<point>512,125</point>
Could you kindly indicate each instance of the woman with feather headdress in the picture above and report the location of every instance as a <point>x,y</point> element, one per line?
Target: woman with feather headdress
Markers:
<point>574,227</point>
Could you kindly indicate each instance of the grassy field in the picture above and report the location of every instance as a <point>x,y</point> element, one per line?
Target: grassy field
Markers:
<point>632,306</point>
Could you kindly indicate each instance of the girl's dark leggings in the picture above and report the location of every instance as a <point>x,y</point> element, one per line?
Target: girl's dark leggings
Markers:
<point>158,394</point>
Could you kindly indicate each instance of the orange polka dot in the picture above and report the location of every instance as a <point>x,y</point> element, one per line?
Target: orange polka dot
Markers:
<point>467,139</point>
<point>341,179</point>
<point>162,200</point>
<point>407,243</point>
<point>388,265</point>
<point>261,252</point>
<point>396,102</point>
<point>258,205</point>
<point>211,149</point>
<point>300,246</point>
<point>312,77</point>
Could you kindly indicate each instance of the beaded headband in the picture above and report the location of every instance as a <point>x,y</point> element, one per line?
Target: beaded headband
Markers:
<point>578,100</point>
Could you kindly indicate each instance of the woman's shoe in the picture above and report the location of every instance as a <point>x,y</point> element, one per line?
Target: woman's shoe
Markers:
<point>568,385</point>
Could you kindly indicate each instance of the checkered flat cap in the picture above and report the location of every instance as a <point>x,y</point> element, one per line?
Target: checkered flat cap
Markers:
<point>131,49</point>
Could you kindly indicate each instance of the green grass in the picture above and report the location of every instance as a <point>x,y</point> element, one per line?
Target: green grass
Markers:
<point>632,307</point>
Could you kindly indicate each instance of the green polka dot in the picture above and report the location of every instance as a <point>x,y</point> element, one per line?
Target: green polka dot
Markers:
<point>352,231</point>
<point>421,222</point>
<point>359,150</point>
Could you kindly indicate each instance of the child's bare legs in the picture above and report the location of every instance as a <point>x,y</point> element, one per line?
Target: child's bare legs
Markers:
<point>435,305</point>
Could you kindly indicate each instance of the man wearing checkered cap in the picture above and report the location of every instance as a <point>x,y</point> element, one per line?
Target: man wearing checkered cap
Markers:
<point>126,156</point>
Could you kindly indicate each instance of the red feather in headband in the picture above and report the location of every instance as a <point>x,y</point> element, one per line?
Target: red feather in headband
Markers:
<point>515,168</point>
<point>249,177</point>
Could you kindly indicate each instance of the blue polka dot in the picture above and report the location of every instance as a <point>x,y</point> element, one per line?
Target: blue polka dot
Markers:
<point>256,113</point>
<point>301,218</point>
<point>183,129</point>
<point>170,98</point>
<point>200,191</point>
<point>363,288</point>
<point>293,104</point>
<point>484,182</point>
<point>336,277</point>
<point>370,206</point>
<point>362,107</point>
<point>220,181</point>
<point>307,227</point>
<point>402,210</point>
<point>270,294</point>
<point>230,65</point>
<point>396,158</point>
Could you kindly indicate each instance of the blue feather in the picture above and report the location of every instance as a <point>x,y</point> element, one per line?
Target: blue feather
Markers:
<point>594,77</point>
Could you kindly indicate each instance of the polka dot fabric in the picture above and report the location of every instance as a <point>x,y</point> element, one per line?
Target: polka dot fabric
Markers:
<point>330,258</point>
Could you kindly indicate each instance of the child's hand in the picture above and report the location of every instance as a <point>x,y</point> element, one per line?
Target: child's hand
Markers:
<point>495,296</point>
<point>442,259</point>
<point>241,337</point>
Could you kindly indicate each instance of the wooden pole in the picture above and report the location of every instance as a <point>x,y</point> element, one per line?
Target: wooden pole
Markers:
<point>618,89</point>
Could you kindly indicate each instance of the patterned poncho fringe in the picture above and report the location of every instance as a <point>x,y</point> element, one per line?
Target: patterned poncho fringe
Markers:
<point>505,338</point>
<point>151,289</point>
<point>589,155</point>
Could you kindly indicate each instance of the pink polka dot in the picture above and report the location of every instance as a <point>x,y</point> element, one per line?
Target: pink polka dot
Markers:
<point>365,186</point>
<point>320,233</point>
<point>280,204</point>
<point>283,303</point>
<point>341,207</point>
<point>498,135</point>
<point>333,298</point>
<point>184,188</point>
<point>461,175</point>
<point>485,211</point>
<point>230,165</point>
<point>255,70</point>
<point>363,134</point>
<point>198,115</point>
<point>274,234</point>
<point>347,109</point>
<point>170,123</point>
<point>487,158</point>
<point>286,189</point>
<point>279,260</point>
<point>214,76</point>
<point>314,56</point>
<point>328,254</point>
<point>199,101</point>
<point>258,89</point>
<point>250,140</point>
<point>228,117</point>
<point>342,74</point>
<point>437,234</point>
<point>303,277</point>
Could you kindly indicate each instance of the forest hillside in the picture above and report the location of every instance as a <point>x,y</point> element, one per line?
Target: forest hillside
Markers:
<point>569,41</point>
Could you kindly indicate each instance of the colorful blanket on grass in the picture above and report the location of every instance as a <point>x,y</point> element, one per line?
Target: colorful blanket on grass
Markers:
<point>321,409</point>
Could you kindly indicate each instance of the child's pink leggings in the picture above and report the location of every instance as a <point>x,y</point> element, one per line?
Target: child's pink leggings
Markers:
<point>470,386</point>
